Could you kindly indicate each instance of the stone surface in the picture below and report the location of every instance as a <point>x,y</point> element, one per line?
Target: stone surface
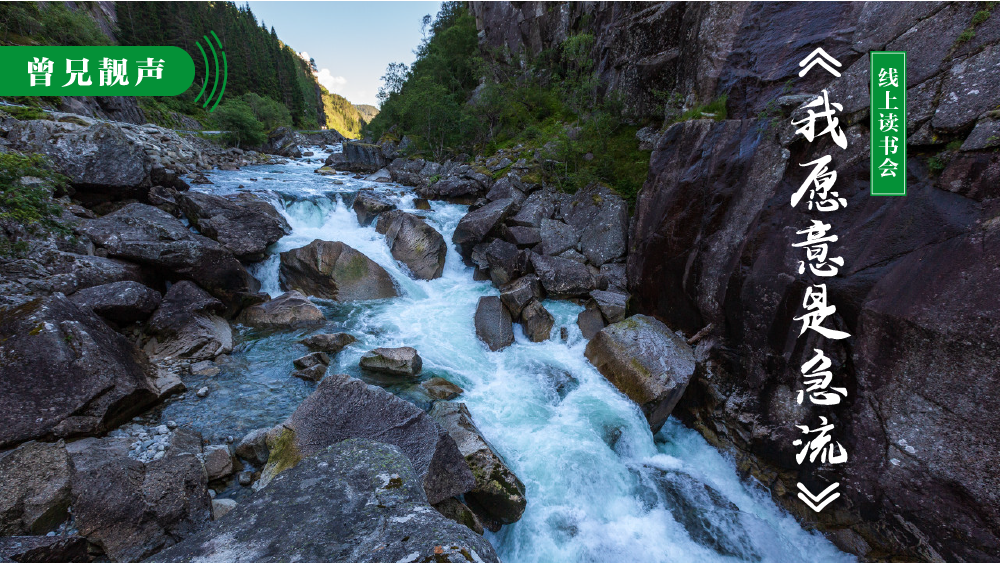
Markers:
<point>342,407</point>
<point>493,323</point>
<point>498,491</point>
<point>557,237</point>
<point>221,507</point>
<point>368,204</point>
<point>439,388</point>
<point>537,321</point>
<point>120,302</point>
<point>36,487</point>
<point>476,225</point>
<point>330,343</point>
<point>334,271</point>
<point>66,373</point>
<point>647,362</point>
<point>287,311</point>
<point>515,295</point>
<point>414,243</point>
<point>133,509</point>
<point>601,218</point>
<point>218,461</point>
<point>253,447</point>
<point>611,304</point>
<point>563,277</point>
<point>188,325</point>
<point>244,224</point>
<point>505,262</point>
<point>312,359</point>
<point>56,548</point>
<point>400,361</point>
<point>458,512</point>
<point>312,373</point>
<point>362,498</point>
<point>152,237</point>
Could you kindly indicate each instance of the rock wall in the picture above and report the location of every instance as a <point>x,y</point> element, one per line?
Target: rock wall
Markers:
<point>711,246</point>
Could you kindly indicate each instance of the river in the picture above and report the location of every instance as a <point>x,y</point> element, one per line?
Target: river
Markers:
<point>600,486</point>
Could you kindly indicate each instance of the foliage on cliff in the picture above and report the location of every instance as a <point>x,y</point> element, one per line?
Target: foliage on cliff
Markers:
<point>367,111</point>
<point>454,100</point>
<point>258,61</point>
<point>26,206</point>
<point>52,23</point>
<point>341,115</point>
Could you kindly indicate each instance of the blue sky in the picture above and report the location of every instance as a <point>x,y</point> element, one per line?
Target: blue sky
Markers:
<point>352,42</point>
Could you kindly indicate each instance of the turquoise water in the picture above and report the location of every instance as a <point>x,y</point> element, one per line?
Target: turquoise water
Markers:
<point>594,473</point>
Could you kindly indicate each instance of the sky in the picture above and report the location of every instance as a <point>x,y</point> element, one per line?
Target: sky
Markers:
<point>352,42</point>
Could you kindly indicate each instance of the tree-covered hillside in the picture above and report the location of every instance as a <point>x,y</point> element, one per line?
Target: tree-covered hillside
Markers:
<point>341,115</point>
<point>455,100</point>
<point>368,112</point>
<point>258,61</point>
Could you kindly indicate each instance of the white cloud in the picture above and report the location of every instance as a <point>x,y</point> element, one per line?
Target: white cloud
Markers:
<point>332,83</point>
<point>304,56</point>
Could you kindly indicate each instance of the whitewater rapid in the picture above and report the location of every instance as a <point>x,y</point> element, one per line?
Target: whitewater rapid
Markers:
<point>593,471</point>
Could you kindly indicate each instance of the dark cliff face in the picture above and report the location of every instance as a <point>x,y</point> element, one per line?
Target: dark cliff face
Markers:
<point>712,238</point>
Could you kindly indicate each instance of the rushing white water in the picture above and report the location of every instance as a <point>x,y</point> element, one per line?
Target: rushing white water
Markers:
<point>600,486</point>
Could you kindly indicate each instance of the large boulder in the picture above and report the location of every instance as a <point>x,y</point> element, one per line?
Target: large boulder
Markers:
<point>601,218</point>
<point>335,271</point>
<point>343,408</point>
<point>152,237</point>
<point>288,311</point>
<point>557,237</point>
<point>284,142</point>
<point>414,243</point>
<point>130,508</point>
<point>96,156</point>
<point>363,157</point>
<point>120,302</point>
<point>536,321</point>
<point>368,204</point>
<point>647,362</point>
<point>35,496</point>
<point>244,224</point>
<point>330,343</point>
<point>515,295</point>
<point>462,183</point>
<point>400,361</point>
<point>66,373</point>
<point>612,304</point>
<point>498,495</point>
<point>505,261</point>
<point>493,323</point>
<point>476,225</point>
<point>355,501</point>
<point>188,325</point>
<point>563,277</point>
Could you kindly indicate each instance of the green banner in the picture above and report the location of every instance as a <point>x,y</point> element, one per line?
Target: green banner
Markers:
<point>95,71</point>
<point>888,123</point>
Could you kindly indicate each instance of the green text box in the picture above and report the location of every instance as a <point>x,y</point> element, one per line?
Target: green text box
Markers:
<point>24,76</point>
<point>888,123</point>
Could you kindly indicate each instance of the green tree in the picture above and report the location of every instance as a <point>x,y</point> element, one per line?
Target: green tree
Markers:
<point>237,118</point>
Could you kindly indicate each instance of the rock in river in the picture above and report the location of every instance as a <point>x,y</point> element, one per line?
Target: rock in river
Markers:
<point>401,361</point>
<point>498,492</point>
<point>414,243</point>
<point>563,277</point>
<point>493,324</point>
<point>243,223</point>
<point>287,311</point>
<point>65,372</point>
<point>335,271</point>
<point>188,325</point>
<point>476,225</point>
<point>330,343</point>
<point>647,362</point>
<point>342,408</point>
<point>356,501</point>
<point>368,204</point>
